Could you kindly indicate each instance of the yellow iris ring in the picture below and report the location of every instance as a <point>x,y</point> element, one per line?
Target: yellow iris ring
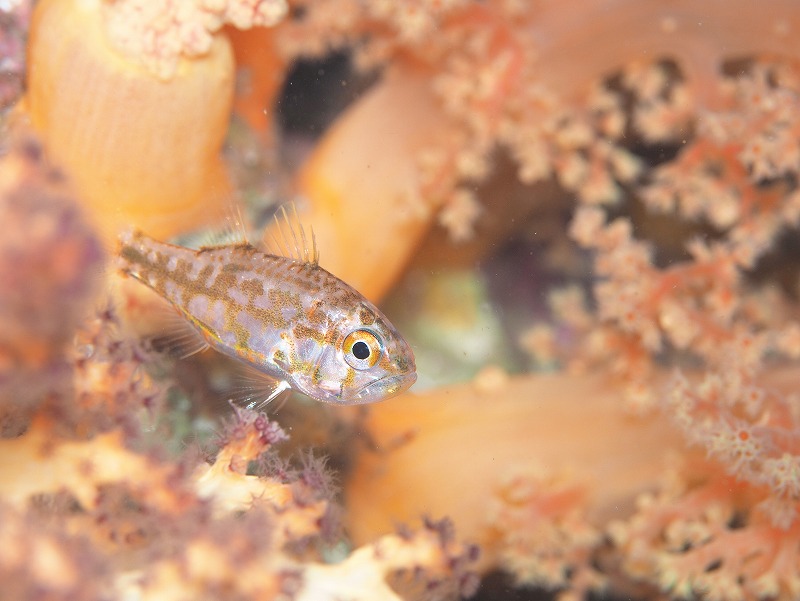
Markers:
<point>373,344</point>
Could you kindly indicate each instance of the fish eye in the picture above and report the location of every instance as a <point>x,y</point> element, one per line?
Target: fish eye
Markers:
<point>362,349</point>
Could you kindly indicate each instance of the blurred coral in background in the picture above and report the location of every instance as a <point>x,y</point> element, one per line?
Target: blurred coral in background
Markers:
<point>14,16</point>
<point>603,194</point>
<point>47,255</point>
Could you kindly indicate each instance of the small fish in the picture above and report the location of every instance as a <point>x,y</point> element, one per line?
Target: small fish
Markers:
<point>285,316</point>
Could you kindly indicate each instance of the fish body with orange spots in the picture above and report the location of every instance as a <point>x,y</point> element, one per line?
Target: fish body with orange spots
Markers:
<point>287,317</point>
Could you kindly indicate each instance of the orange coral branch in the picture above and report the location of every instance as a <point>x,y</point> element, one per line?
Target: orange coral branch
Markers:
<point>363,185</point>
<point>142,147</point>
<point>557,424</point>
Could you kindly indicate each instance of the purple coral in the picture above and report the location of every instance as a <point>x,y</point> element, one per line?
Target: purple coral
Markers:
<point>14,19</point>
<point>48,255</point>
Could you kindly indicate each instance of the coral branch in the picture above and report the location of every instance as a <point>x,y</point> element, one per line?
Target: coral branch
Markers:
<point>593,459</point>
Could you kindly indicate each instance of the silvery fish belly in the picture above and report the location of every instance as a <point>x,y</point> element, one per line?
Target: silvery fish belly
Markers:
<point>286,317</point>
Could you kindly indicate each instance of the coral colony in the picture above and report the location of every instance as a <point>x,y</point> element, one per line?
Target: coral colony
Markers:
<point>652,151</point>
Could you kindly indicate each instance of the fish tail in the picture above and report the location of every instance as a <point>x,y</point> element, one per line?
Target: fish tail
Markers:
<point>142,257</point>
<point>154,263</point>
<point>132,253</point>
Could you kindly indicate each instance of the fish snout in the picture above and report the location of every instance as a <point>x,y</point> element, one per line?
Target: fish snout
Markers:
<point>386,387</point>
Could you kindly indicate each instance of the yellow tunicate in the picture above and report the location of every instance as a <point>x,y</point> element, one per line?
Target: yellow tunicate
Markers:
<point>141,149</point>
<point>363,182</point>
<point>447,452</point>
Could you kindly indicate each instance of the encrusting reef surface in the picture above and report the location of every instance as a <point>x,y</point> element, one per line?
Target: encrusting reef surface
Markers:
<point>609,187</point>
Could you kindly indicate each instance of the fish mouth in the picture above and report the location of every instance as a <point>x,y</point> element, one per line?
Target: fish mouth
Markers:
<point>385,388</point>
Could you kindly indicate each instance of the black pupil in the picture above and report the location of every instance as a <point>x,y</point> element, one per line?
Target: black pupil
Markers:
<point>361,350</point>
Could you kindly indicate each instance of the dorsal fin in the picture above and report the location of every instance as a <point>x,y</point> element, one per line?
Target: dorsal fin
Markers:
<point>232,230</point>
<point>286,237</point>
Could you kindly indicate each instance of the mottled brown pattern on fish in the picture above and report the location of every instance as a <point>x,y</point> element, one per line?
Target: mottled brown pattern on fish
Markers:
<point>349,377</point>
<point>301,331</point>
<point>366,317</point>
<point>286,317</point>
<point>316,315</point>
<point>279,357</point>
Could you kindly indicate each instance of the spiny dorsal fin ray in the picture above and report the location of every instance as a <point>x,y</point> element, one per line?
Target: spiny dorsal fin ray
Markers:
<point>286,236</point>
<point>234,229</point>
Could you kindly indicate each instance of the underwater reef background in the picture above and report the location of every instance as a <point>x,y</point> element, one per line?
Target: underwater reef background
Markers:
<point>583,215</point>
